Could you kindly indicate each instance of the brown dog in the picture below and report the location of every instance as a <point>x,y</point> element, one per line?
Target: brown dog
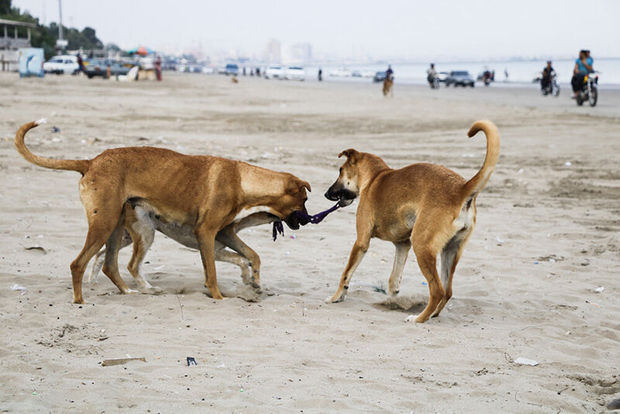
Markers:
<point>141,221</point>
<point>203,192</point>
<point>424,206</point>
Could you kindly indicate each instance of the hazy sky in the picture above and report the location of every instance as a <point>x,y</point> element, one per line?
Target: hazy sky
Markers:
<point>382,29</point>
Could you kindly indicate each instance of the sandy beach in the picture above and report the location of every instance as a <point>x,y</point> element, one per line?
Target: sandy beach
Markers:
<point>538,279</point>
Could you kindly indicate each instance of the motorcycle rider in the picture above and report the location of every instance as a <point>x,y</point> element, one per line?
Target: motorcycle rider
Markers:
<point>431,74</point>
<point>583,66</point>
<point>389,73</point>
<point>547,76</point>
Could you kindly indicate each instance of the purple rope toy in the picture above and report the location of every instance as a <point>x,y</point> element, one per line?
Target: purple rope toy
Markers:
<point>278,227</point>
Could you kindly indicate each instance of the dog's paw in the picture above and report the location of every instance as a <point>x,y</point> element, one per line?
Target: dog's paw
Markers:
<point>335,299</point>
<point>421,319</point>
<point>151,290</point>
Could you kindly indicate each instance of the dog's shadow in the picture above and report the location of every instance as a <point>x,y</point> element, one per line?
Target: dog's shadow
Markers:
<point>408,304</point>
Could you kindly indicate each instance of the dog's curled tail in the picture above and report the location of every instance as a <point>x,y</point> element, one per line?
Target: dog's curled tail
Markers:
<point>478,181</point>
<point>80,166</point>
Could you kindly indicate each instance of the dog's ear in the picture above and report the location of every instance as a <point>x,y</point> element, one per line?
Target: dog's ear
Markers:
<point>295,185</point>
<point>351,155</point>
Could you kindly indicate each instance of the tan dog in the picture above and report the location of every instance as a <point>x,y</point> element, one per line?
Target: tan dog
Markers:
<point>203,192</point>
<point>141,221</point>
<point>388,83</point>
<point>424,206</point>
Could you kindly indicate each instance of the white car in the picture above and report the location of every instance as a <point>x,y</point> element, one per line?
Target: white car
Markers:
<point>295,73</point>
<point>62,64</point>
<point>274,71</point>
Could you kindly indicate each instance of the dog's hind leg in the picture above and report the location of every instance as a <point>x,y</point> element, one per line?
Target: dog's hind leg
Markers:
<point>450,255</point>
<point>228,237</point>
<point>142,234</point>
<point>110,263</point>
<point>99,231</point>
<point>427,239</point>
<point>222,255</point>
<point>100,257</point>
<point>400,258</point>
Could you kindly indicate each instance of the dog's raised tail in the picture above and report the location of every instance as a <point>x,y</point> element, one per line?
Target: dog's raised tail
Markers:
<point>80,166</point>
<point>478,181</point>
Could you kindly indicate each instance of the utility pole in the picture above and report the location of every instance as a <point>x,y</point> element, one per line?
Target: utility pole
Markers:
<point>61,43</point>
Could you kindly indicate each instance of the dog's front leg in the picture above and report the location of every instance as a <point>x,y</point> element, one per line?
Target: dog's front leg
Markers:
<point>400,258</point>
<point>206,242</point>
<point>357,254</point>
<point>229,238</point>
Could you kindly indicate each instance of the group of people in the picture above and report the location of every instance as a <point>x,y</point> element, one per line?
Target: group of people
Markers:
<point>583,66</point>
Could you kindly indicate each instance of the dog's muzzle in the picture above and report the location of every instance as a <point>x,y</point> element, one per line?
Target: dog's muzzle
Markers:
<point>296,219</point>
<point>343,196</point>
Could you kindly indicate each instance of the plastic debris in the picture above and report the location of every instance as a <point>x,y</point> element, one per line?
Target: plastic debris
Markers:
<point>120,361</point>
<point>568,164</point>
<point>191,361</point>
<point>599,289</point>
<point>525,361</point>
<point>38,248</point>
<point>19,288</point>
<point>55,129</point>
<point>499,241</point>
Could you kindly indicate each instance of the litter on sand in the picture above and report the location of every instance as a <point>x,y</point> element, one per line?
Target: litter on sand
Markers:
<point>120,361</point>
<point>525,361</point>
<point>19,288</point>
<point>191,361</point>
<point>38,248</point>
<point>599,289</point>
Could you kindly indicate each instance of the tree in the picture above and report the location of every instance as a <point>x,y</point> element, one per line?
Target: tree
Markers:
<point>5,7</point>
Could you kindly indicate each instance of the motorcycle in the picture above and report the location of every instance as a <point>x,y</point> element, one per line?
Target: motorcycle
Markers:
<point>589,90</point>
<point>553,87</point>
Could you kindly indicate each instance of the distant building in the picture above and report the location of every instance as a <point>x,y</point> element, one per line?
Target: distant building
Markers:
<point>273,51</point>
<point>13,36</point>
<point>300,53</point>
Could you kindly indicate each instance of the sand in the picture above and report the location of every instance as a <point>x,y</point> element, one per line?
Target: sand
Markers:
<point>538,279</point>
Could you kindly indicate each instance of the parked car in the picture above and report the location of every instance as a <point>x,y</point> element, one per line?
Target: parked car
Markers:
<point>443,76</point>
<point>62,64</point>
<point>99,67</point>
<point>460,77</point>
<point>295,73</point>
<point>379,76</point>
<point>274,72</point>
<point>232,69</point>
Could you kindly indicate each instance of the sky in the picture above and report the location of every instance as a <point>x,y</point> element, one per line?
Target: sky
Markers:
<point>395,29</point>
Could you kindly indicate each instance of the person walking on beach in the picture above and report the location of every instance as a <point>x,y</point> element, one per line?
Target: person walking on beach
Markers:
<point>431,73</point>
<point>320,74</point>
<point>80,64</point>
<point>158,68</point>
<point>583,66</point>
